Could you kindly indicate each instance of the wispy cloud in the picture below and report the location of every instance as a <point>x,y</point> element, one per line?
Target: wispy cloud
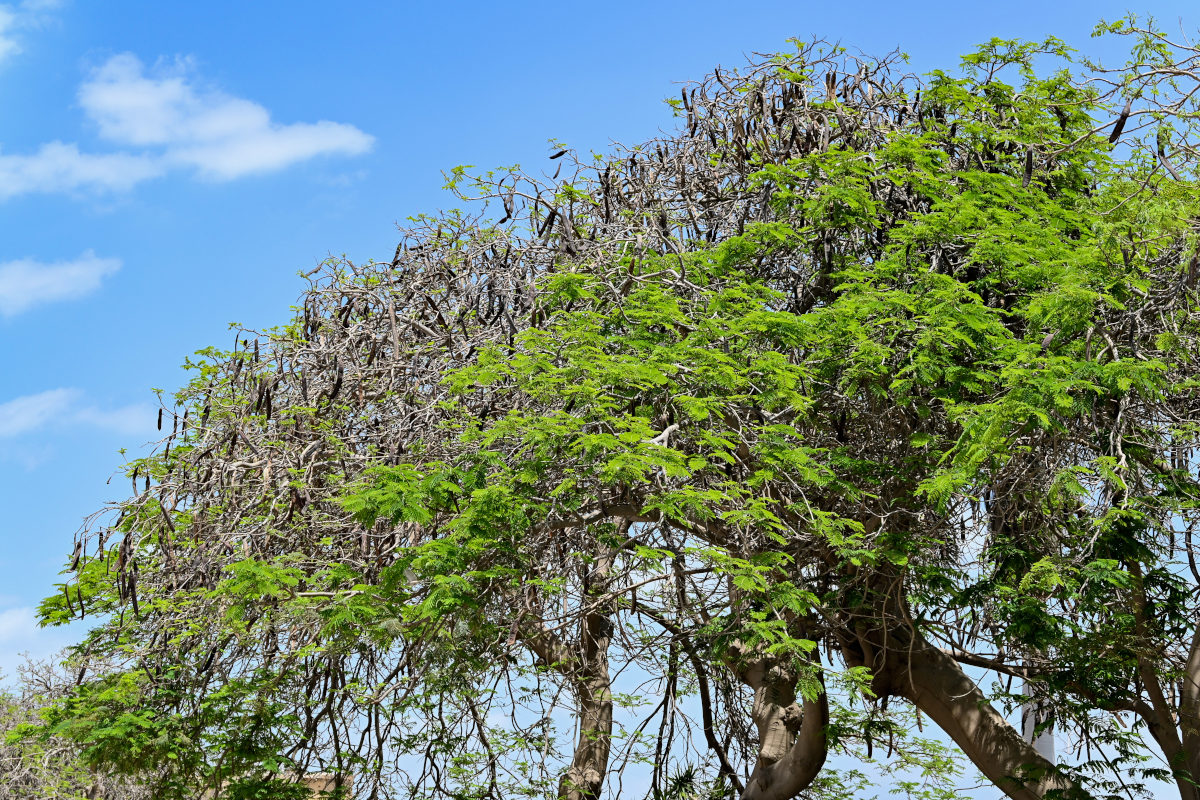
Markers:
<point>59,167</point>
<point>27,283</point>
<point>220,136</point>
<point>28,413</point>
<point>68,407</point>
<point>8,41</point>
<point>22,16</point>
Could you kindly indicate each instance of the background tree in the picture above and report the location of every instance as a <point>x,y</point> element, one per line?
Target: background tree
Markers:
<point>49,769</point>
<point>851,384</point>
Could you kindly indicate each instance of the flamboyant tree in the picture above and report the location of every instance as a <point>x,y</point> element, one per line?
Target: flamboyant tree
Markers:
<point>859,395</point>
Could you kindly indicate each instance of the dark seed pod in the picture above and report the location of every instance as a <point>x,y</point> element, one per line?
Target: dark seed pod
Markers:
<point>160,419</point>
<point>337,385</point>
<point>1121,120</point>
<point>208,662</point>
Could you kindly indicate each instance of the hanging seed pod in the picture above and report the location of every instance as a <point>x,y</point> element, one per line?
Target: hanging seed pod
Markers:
<point>337,385</point>
<point>1121,120</point>
<point>208,662</point>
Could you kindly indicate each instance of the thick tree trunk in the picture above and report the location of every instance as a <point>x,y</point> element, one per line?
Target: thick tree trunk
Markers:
<point>585,777</point>
<point>792,743</point>
<point>585,667</point>
<point>937,686</point>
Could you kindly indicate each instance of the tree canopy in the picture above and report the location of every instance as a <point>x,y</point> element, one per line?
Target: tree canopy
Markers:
<point>825,416</point>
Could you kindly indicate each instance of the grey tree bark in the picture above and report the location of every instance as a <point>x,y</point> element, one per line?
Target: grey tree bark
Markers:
<point>936,685</point>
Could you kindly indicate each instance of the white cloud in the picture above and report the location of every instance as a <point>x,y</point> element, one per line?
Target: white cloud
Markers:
<point>59,167</point>
<point>29,14</point>
<point>27,283</point>
<point>32,411</point>
<point>221,136</point>
<point>8,41</point>
<point>67,407</point>
<point>162,120</point>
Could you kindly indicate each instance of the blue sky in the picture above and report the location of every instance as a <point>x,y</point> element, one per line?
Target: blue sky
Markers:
<point>167,168</point>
